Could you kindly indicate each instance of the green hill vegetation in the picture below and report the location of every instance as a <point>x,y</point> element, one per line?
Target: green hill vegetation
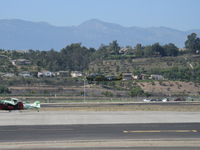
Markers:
<point>184,67</point>
<point>166,60</point>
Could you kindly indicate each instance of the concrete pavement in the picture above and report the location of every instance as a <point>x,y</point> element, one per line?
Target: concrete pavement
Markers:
<point>94,117</point>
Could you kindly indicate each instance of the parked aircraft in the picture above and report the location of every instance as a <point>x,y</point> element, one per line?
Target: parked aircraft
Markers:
<point>35,105</point>
<point>16,104</point>
<point>11,104</point>
<point>100,77</point>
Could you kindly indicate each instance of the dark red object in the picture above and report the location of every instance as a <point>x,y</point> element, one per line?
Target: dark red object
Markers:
<point>179,99</point>
<point>18,106</point>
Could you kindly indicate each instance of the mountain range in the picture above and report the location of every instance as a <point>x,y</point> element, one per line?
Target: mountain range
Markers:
<point>21,35</point>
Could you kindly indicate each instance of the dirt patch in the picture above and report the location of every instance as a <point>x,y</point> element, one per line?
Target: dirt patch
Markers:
<point>170,88</point>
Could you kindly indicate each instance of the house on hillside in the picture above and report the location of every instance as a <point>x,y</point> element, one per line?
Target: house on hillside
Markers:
<point>123,50</point>
<point>156,77</point>
<point>127,76</point>
<point>75,74</point>
<point>182,49</point>
<point>136,77</point>
<point>24,74</point>
<point>62,74</point>
<point>141,77</point>
<point>9,75</point>
<point>21,62</point>
<point>45,74</point>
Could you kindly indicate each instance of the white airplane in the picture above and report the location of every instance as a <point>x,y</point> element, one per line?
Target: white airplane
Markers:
<point>16,104</point>
<point>35,105</point>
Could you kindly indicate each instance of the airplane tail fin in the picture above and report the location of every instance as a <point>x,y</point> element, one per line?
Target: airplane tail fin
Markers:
<point>36,104</point>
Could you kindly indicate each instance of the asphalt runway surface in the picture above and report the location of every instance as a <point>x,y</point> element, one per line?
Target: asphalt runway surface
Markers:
<point>127,148</point>
<point>120,104</point>
<point>100,132</point>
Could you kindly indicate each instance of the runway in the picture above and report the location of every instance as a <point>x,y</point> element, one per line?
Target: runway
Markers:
<point>126,148</point>
<point>104,130</point>
<point>151,131</point>
<point>104,104</point>
<point>151,136</point>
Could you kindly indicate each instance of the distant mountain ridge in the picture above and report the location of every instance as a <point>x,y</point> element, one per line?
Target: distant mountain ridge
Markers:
<point>20,34</point>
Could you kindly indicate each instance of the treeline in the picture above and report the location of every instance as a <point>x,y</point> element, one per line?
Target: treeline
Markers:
<point>192,46</point>
<point>78,57</point>
<point>156,50</point>
<point>72,57</point>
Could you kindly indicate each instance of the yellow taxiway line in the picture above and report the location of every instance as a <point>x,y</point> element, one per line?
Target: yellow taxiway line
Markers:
<point>158,131</point>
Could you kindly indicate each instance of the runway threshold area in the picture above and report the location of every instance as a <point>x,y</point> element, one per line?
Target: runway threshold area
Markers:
<point>150,131</point>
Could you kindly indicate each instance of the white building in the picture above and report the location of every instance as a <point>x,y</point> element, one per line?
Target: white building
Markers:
<point>156,77</point>
<point>45,74</point>
<point>25,74</point>
<point>75,74</point>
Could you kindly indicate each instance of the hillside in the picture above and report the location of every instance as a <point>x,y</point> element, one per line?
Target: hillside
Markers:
<point>20,34</point>
<point>171,88</point>
<point>181,74</point>
<point>98,92</point>
<point>146,65</point>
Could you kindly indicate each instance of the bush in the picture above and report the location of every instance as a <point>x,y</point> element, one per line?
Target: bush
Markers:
<point>4,90</point>
<point>107,94</point>
<point>136,91</point>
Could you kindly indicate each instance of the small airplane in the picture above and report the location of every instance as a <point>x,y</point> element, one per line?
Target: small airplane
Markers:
<point>35,105</point>
<point>11,104</point>
<point>16,104</point>
<point>100,77</point>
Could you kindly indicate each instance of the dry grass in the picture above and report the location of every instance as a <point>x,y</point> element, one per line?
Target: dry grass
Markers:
<point>170,87</point>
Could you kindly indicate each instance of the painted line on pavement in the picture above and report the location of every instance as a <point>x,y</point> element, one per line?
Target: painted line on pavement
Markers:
<point>159,131</point>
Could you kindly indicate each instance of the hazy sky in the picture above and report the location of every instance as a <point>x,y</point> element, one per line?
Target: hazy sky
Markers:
<point>178,14</point>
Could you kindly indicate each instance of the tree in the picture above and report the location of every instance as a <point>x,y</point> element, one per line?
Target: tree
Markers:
<point>192,43</point>
<point>136,91</point>
<point>170,49</point>
<point>101,53</point>
<point>76,57</point>
<point>114,47</point>
<point>158,50</point>
<point>107,94</point>
<point>197,42</point>
<point>148,51</point>
<point>4,90</point>
<point>139,50</point>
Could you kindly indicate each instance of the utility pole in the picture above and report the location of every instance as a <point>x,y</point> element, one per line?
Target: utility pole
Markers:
<point>84,91</point>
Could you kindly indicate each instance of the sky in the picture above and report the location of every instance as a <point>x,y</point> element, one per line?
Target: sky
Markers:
<point>177,14</point>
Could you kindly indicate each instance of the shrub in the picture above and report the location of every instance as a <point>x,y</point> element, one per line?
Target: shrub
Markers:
<point>107,94</point>
<point>136,91</point>
<point>4,90</point>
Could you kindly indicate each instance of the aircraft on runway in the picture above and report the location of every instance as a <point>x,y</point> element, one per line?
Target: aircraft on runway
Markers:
<point>11,104</point>
<point>100,77</point>
<point>35,105</point>
<point>16,104</point>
